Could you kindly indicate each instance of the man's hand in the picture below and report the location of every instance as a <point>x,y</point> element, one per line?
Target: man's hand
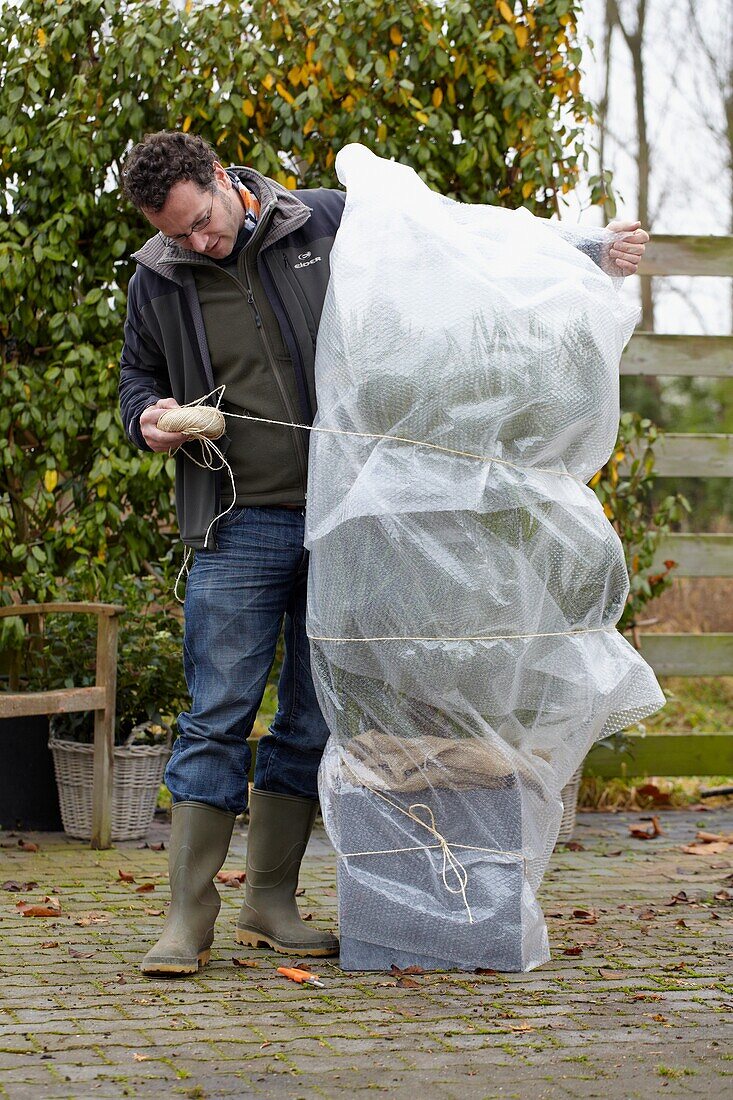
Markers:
<point>155,439</point>
<point>626,253</point>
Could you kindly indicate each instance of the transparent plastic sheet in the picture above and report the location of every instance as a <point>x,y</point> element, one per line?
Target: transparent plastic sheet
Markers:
<point>464,580</point>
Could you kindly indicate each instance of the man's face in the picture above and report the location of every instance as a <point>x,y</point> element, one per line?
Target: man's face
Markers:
<point>188,205</point>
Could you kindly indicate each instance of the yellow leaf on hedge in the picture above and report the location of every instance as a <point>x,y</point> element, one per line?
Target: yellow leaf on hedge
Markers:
<point>283,91</point>
<point>51,480</point>
<point>595,479</point>
<point>421,116</point>
<point>329,158</point>
<point>395,35</point>
<point>527,189</point>
<point>310,50</point>
<point>186,124</point>
<point>620,456</point>
<point>291,183</point>
<point>381,132</point>
<point>310,125</point>
<point>268,81</point>
<point>348,103</point>
<point>349,72</point>
<point>506,11</point>
<point>41,36</point>
<point>248,108</point>
<point>437,97</point>
<point>521,34</point>
<point>608,510</point>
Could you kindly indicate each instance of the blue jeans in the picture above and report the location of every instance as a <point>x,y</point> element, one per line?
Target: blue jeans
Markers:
<point>236,599</point>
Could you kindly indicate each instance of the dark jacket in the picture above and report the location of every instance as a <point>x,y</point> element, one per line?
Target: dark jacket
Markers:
<point>165,351</point>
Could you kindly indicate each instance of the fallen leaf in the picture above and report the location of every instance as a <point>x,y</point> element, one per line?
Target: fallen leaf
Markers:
<point>679,897</point>
<point>585,916</point>
<point>300,891</point>
<point>398,972</point>
<point>408,983</point>
<point>27,846</point>
<point>146,888</point>
<point>654,829</point>
<point>573,950</point>
<point>249,963</point>
<point>647,914</point>
<point>715,916</point>
<point>647,996</point>
<point>573,846</point>
<point>92,918</point>
<point>49,907</point>
<point>520,1027</point>
<point>125,876</point>
<point>656,1016</point>
<point>307,916</point>
<point>618,853</point>
<point>19,887</point>
<point>706,849</point>
<point>154,912</point>
<point>484,970</point>
<point>681,923</point>
<point>548,913</point>
<point>606,973</point>
<point>231,878</point>
<point>49,943</point>
<point>709,838</point>
<point>267,1043</point>
<point>81,954</point>
<point>141,1057</point>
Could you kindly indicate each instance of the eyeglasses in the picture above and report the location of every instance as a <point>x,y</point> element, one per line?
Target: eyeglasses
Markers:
<point>196,227</point>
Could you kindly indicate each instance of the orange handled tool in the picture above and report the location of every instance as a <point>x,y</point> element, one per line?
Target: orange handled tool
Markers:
<point>303,977</point>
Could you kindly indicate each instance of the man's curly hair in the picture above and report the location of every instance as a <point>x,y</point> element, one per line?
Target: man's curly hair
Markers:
<point>161,160</point>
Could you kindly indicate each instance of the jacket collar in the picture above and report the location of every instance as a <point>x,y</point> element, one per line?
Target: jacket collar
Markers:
<point>281,212</point>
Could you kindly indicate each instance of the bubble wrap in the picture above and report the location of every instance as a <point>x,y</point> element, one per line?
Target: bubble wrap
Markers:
<point>464,580</point>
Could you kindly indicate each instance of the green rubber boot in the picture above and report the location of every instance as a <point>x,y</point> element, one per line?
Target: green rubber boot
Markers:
<point>279,828</point>
<point>198,847</point>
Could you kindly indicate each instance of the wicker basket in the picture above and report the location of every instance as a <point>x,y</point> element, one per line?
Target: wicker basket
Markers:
<point>569,796</point>
<point>138,773</point>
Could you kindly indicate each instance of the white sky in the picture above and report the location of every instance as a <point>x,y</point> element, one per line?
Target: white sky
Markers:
<point>690,185</point>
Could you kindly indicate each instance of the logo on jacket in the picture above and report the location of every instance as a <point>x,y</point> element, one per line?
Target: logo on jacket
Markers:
<point>307,258</point>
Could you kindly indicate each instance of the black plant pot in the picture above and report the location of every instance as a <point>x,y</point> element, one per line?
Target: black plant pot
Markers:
<point>28,795</point>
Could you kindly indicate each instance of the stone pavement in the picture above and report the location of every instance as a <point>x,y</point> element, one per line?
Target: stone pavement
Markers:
<point>642,1009</point>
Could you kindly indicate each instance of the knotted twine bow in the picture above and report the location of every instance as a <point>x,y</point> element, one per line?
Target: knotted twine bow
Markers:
<point>451,862</point>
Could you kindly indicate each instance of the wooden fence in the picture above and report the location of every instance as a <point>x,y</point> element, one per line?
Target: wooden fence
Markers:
<point>697,554</point>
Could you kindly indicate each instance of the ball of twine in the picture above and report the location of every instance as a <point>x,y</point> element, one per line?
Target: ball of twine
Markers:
<point>194,420</point>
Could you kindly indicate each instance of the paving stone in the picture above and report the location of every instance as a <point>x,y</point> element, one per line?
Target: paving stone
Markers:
<point>644,1010</point>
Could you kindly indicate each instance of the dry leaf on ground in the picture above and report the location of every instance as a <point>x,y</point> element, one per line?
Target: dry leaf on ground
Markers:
<point>146,888</point>
<point>706,849</point>
<point>92,918</point>
<point>49,943</point>
<point>27,846</point>
<point>154,912</point>
<point>49,907</point>
<point>250,964</point>
<point>81,954</point>
<point>125,876</point>
<point>231,878</point>
<point>654,829</point>
<point>19,887</point>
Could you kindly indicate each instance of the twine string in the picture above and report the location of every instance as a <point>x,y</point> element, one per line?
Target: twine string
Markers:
<point>451,862</point>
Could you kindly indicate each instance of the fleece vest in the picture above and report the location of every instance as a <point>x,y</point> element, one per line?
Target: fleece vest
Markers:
<point>249,356</point>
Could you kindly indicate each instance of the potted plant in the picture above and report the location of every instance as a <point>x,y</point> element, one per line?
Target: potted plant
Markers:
<point>150,693</point>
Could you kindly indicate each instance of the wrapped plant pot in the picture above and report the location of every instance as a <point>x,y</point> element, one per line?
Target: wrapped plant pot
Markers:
<point>464,581</point>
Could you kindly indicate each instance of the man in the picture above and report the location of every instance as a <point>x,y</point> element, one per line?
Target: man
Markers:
<point>230,292</point>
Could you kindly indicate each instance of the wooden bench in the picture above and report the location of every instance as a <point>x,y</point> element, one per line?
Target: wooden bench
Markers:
<point>100,698</point>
